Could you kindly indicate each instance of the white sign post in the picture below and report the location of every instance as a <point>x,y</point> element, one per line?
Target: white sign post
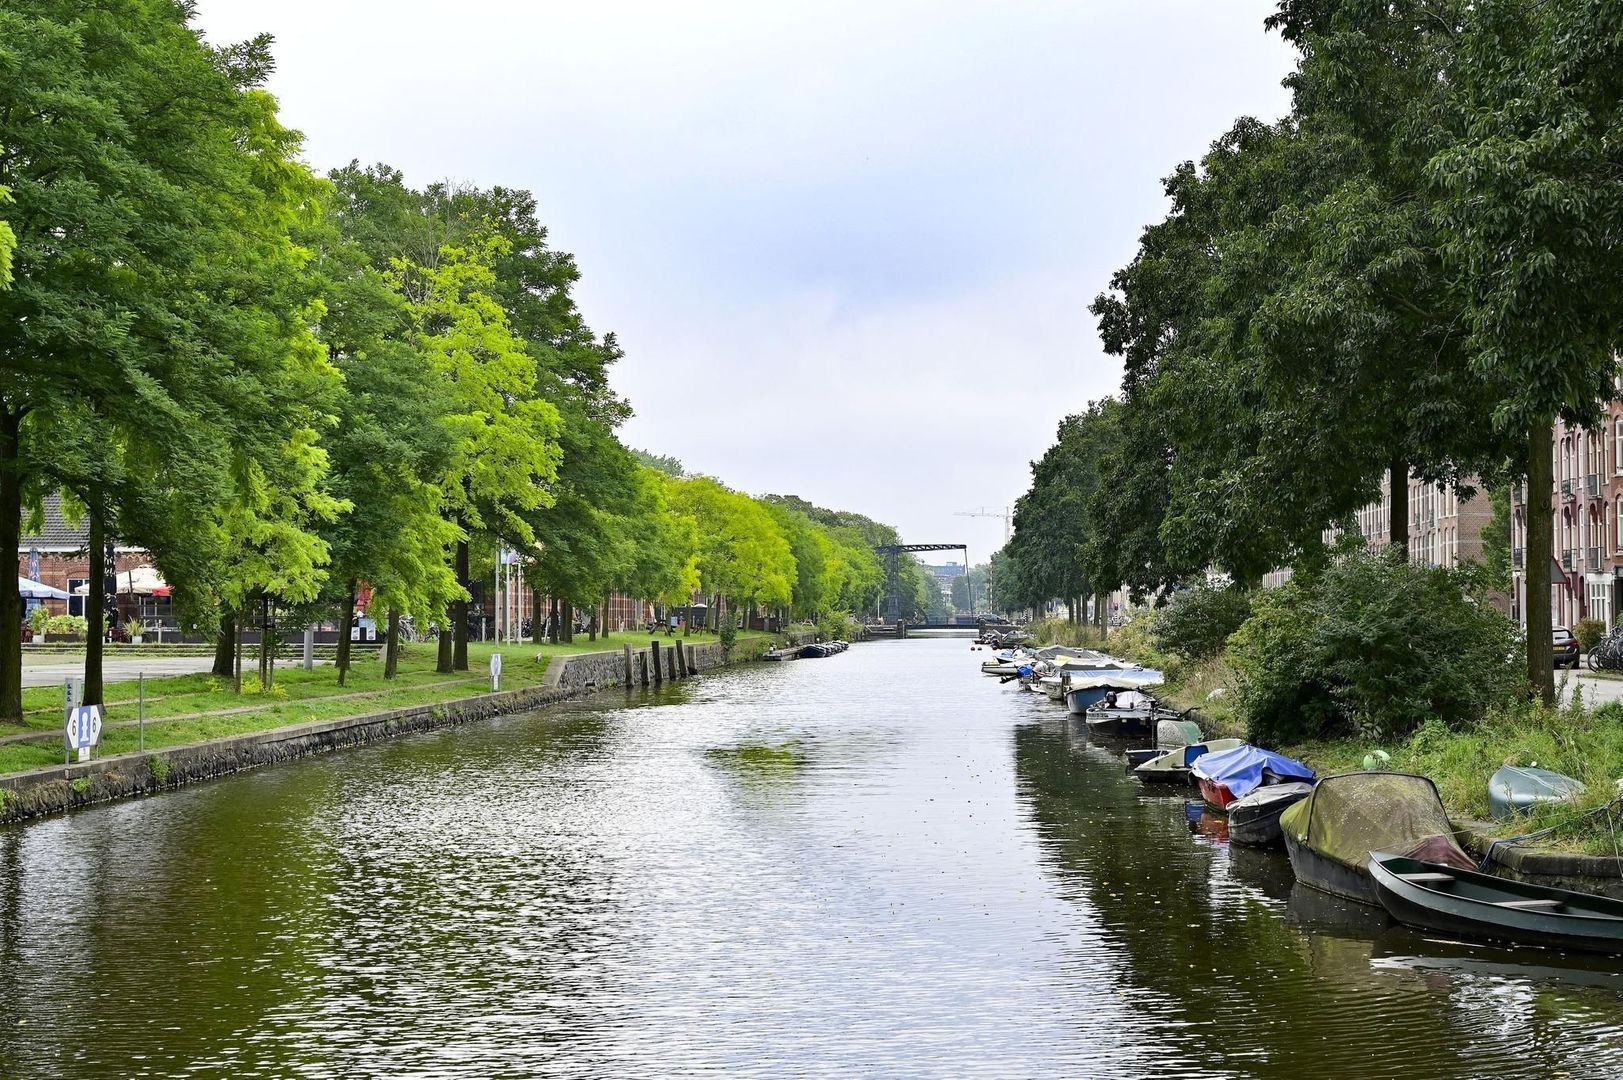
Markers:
<point>84,729</point>
<point>495,672</point>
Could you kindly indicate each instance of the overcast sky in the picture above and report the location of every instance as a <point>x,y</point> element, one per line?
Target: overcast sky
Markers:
<point>848,247</point>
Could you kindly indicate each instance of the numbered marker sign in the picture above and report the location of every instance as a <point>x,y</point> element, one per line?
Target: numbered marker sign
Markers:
<point>495,671</point>
<point>84,729</point>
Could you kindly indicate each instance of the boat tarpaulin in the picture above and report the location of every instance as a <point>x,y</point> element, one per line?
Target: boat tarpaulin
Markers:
<point>1115,680</point>
<point>1241,769</point>
<point>1351,814</point>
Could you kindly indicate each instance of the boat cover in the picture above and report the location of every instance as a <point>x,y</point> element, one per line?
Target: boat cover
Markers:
<point>1351,814</point>
<point>1241,769</point>
<point>1517,789</point>
<point>1115,680</point>
<point>1172,733</point>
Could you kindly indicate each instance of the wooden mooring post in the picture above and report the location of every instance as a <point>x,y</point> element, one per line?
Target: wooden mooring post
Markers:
<point>681,660</point>
<point>659,674</point>
<point>627,682</point>
<point>642,665</point>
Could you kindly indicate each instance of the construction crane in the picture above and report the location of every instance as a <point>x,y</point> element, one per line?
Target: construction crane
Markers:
<point>984,512</point>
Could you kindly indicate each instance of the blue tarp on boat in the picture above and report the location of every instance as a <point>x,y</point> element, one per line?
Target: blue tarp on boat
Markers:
<point>1241,769</point>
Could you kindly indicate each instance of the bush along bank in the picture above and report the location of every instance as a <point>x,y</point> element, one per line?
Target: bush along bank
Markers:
<point>1373,662</point>
<point>50,790</point>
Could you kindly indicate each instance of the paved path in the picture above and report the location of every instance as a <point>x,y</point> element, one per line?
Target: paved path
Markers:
<point>1597,689</point>
<point>51,670</point>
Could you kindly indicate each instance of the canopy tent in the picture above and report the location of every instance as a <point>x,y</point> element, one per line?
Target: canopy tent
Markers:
<point>1351,814</point>
<point>1241,769</point>
<point>38,590</point>
<point>140,581</point>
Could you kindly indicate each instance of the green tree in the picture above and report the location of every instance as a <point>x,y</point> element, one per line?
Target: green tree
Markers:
<point>504,448</point>
<point>153,193</point>
<point>1535,213</point>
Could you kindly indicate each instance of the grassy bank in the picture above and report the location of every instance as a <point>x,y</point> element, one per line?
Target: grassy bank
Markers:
<point>1577,741</point>
<point>185,709</point>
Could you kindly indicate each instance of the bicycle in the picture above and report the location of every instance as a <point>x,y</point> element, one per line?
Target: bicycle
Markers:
<point>1607,655</point>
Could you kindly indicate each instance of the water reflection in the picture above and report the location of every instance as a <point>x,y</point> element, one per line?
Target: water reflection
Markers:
<point>877,864</point>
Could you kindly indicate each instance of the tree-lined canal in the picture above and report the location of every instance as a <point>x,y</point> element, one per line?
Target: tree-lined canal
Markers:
<point>882,863</point>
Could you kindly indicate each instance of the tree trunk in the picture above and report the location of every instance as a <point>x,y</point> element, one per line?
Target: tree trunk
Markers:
<point>538,622</point>
<point>1540,553</point>
<point>236,652</point>
<point>225,649</point>
<point>460,609</point>
<point>443,662</point>
<point>552,621</point>
<point>95,599</point>
<point>345,622</point>
<point>11,598</point>
<point>391,655</point>
<point>1101,603</point>
<point>591,626</point>
<point>1398,533</point>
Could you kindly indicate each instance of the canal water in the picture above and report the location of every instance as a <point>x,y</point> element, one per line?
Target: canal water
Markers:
<point>878,864</point>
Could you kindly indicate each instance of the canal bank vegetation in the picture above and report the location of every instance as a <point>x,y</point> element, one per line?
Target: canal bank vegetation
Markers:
<point>312,398</point>
<point>1372,662</point>
<point>1409,276</point>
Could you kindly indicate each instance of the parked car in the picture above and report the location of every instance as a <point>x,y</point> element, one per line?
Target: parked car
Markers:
<point>1566,648</point>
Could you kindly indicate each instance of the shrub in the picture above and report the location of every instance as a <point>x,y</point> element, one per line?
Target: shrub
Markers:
<point>1372,647</point>
<point>836,626</point>
<point>38,619</point>
<point>728,636</point>
<point>67,624</point>
<point>1589,632</point>
<point>1197,622</point>
<point>1059,631</point>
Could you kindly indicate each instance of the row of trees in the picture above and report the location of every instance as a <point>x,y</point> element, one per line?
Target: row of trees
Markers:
<point>1413,274</point>
<point>297,389</point>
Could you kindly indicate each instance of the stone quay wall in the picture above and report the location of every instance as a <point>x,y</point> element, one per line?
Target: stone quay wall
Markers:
<point>66,787</point>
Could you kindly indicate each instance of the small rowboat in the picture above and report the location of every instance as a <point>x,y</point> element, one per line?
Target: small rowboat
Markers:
<point>1435,896</point>
<point>1515,789</point>
<point>1172,766</point>
<point>1254,819</point>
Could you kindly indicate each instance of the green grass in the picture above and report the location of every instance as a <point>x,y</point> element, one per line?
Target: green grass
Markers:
<point>1580,742</point>
<point>184,709</point>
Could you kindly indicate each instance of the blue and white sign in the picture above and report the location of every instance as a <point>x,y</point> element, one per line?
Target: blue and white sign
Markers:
<point>495,672</point>
<point>84,729</point>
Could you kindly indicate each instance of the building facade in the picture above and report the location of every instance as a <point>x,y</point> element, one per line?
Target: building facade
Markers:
<point>1587,507</point>
<point>1445,529</point>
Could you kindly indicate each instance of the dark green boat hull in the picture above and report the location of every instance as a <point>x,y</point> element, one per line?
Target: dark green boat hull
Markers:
<point>1583,922</point>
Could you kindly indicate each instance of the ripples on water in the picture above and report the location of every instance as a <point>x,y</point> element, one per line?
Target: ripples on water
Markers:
<point>913,872</point>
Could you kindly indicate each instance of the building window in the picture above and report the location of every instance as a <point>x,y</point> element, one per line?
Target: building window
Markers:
<point>76,603</point>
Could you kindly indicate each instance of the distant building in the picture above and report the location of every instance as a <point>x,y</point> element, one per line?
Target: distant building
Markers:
<point>58,555</point>
<point>1444,529</point>
<point>944,577</point>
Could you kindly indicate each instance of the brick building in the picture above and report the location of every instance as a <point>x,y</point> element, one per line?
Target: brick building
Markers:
<point>1587,504</point>
<point>1444,529</point>
<point>58,555</point>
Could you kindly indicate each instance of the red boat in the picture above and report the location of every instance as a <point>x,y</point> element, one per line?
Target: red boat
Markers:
<point>1216,794</point>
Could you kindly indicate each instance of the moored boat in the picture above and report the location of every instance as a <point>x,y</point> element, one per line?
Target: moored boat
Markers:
<point>1254,818</point>
<point>1232,774</point>
<point>1088,689</point>
<point>1460,902</point>
<point>1517,789</point>
<point>1125,715</point>
<point>1330,834</point>
<point>1172,766</point>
